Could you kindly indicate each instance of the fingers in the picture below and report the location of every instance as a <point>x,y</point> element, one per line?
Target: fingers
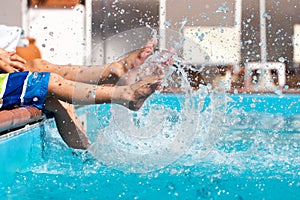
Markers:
<point>11,62</point>
<point>17,66</point>
<point>16,61</point>
<point>15,57</point>
<point>6,67</point>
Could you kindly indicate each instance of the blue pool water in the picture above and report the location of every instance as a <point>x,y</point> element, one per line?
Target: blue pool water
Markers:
<point>241,147</point>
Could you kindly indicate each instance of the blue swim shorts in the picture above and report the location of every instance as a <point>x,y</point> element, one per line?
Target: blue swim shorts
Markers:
<point>23,89</point>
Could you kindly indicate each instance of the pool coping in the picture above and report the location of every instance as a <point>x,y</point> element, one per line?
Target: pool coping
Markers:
<point>17,118</point>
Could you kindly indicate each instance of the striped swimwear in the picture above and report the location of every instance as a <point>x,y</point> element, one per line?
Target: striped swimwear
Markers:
<point>23,89</point>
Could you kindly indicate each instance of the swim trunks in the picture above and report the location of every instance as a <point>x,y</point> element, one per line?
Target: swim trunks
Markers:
<point>23,89</point>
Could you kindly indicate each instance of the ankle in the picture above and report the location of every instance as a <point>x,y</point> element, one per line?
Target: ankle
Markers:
<point>116,69</point>
<point>111,74</point>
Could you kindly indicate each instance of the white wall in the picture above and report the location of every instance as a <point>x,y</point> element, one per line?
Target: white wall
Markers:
<point>59,33</point>
<point>11,12</point>
<point>212,45</point>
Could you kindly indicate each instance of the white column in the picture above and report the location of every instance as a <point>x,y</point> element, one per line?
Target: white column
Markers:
<point>24,8</point>
<point>238,27</point>
<point>263,35</point>
<point>162,28</point>
<point>88,32</point>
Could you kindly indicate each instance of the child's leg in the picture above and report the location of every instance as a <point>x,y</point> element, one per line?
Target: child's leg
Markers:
<point>110,74</point>
<point>80,93</point>
<point>85,74</point>
<point>68,124</point>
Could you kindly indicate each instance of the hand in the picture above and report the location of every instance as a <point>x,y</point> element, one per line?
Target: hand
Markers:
<point>11,62</point>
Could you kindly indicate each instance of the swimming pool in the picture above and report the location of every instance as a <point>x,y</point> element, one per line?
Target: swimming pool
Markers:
<point>244,147</point>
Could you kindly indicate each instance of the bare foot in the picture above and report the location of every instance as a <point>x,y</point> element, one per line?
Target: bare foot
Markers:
<point>158,62</point>
<point>117,70</point>
<point>138,57</point>
<point>134,96</point>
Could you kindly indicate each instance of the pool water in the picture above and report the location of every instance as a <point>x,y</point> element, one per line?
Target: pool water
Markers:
<point>243,147</point>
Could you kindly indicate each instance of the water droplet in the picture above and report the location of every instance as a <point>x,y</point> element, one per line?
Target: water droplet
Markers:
<point>248,41</point>
<point>201,36</point>
<point>222,9</point>
<point>122,11</point>
<point>167,23</point>
<point>94,94</point>
<point>265,15</point>
<point>281,59</point>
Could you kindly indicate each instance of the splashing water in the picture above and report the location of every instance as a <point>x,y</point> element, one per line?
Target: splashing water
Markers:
<point>179,129</point>
<point>156,135</point>
<point>163,129</point>
<point>223,137</point>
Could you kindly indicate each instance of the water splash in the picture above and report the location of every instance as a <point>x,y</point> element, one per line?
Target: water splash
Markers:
<point>156,135</point>
<point>180,131</point>
<point>228,140</point>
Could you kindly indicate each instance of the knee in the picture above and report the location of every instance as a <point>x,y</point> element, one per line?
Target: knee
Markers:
<point>55,79</point>
<point>37,65</point>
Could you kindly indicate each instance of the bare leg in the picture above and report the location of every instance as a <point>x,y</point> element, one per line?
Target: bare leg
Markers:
<point>133,96</point>
<point>109,74</point>
<point>68,124</point>
<point>83,94</point>
<point>86,74</point>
